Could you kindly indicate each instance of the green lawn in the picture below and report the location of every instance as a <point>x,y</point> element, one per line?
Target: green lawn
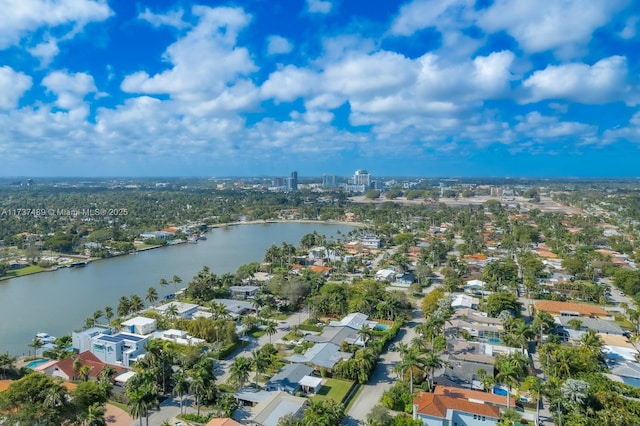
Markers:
<point>335,389</point>
<point>257,333</point>
<point>32,269</point>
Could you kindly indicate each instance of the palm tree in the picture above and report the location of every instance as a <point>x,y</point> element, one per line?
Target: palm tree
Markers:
<point>260,363</point>
<point>239,372</point>
<point>536,388</point>
<point>124,306</point>
<point>95,415</point>
<point>365,334</point>
<point>108,313</point>
<point>270,329</point>
<point>172,311</point>
<point>508,375</point>
<point>136,304</point>
<point>181,385</point>
<point>163,283</point>
<point>36,344</point>
<point>152,295</point>
<point>176,280</point>
<point>432,362</point>
<point>197,386</point>
<point>591,341</point>
<point>6,362</point>
<point>522,333</point>
<point>410,360</point>
<point>97,315</point>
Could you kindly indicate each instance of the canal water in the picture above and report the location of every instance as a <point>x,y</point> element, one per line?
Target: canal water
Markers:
<point>59,302</point>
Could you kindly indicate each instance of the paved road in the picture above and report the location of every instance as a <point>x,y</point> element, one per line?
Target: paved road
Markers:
<point>294,319</point>
<point>383,376</point>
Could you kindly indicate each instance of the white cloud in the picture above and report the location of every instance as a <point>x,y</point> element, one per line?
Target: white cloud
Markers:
<point>290,83</point>
<point>421,14</point>
<point>319,6</point>
<point>204,62</point>
<point>12,86</point>
<point>629,132</point>
<point>171,19</point>
<point>565,27</point>
<point>377,74</point>
<point>20,17</point>
<point>277,45</point>
<point>540,128</point>
<point>70,88</point>
<point>630,28</point>
<point>603,82</point>
<point>45,51</point>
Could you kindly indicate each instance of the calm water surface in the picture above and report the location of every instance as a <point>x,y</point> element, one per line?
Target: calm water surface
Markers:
<point>58,302</point>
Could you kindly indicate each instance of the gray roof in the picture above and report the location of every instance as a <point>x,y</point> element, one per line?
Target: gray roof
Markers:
<point>278,405</point>
<point>288,377</point>
<point>252,395</point>
<point>598,325</point>
<point>234,306</point>
<point>336,335</point>
<point>323,355</point>
<point>624,368</point>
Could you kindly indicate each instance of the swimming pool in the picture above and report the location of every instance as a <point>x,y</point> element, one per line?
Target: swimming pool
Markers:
<point>33,364</point>
<point>500,391</point>
<point>381,327</point>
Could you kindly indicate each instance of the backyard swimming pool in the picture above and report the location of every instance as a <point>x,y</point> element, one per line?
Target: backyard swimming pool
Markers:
<point>33,364</point>
<point>381,327</point>
<point>500,391</point>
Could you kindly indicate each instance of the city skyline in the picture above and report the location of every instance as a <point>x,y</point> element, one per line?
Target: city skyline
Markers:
<point>421,88</point>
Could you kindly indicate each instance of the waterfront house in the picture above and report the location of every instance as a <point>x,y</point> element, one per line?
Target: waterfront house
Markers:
<point>120,349</point>
<point>140,325</point>
<point>183,310</point>
<point>242,292</point>
<point>81,340</point>
<point>65,368</point>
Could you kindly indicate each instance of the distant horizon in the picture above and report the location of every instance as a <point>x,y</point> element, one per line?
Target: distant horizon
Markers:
<point>252,88</point>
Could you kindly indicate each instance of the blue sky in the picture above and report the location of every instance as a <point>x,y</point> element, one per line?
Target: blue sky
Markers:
<point>263,87</point>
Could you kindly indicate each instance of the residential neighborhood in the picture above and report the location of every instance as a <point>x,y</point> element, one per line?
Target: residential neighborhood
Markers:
<point>494,314</point>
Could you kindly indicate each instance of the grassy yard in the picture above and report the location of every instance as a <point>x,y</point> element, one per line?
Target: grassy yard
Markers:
<point>257,333</point>
<point>335,389</point>
<point>32,269</point>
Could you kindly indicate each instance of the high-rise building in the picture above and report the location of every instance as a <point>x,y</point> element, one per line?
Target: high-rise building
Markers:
<point>362,177</point>
<point>292,181</point>
<point>329,181</point>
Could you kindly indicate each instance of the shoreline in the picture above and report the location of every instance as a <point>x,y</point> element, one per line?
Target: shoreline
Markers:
<point>209,227</point>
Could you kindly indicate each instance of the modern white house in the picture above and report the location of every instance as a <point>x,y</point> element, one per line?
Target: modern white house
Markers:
<point>183,310</point>
<point>81,340</point>
<point>140,325</point>
<point>120,349</point>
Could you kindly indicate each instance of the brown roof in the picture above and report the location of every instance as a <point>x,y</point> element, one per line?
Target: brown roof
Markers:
<point>471,395</point>
<point>557,307</point>
<point>437,406</point>
<point>222,422</point>
<point>86,358</point>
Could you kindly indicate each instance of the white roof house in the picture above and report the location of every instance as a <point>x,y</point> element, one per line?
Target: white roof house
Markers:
<point>184,310</point>
<point>385,275</point>
<point>461,301</point>
<point>140,325</point>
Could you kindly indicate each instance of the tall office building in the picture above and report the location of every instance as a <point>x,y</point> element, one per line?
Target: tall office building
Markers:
<point>292,182</point>
<point>362,177</point>
<point>329,181</point>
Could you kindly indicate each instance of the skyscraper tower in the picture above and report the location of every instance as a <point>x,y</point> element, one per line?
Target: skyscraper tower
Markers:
<point>292,182</point>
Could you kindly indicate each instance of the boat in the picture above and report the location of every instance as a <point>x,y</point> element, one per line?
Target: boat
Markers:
<point>45,337</point>
<point>202,237</point>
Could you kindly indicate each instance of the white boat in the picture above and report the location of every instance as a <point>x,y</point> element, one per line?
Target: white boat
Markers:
<point>45,338</point>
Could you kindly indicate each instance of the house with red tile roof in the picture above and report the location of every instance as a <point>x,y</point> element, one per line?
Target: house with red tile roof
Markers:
<point>441,410</point>
<point>556,308</point>
<point>64,368</point>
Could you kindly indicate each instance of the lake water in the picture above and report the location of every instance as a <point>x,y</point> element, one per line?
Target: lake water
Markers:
<point>60,301</point>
